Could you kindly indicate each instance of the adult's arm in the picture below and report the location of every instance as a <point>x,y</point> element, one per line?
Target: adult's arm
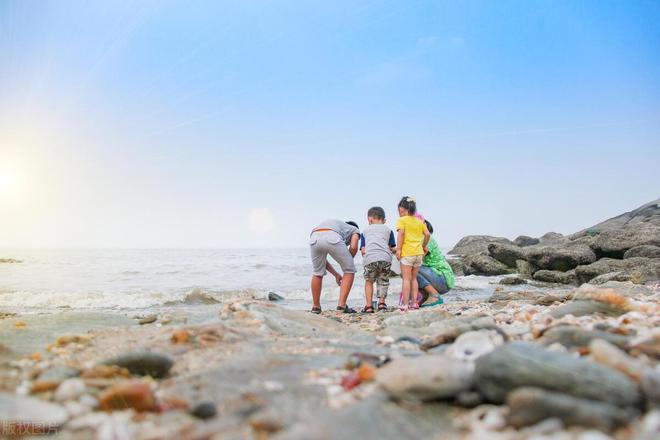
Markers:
<point>333,271</point>
<point>353,247</point>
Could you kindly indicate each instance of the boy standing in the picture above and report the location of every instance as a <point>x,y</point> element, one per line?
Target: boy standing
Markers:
<point>376,244</point>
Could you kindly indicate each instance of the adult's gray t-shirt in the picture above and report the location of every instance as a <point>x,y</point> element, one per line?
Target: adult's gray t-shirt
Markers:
<point>377,239</point>
<point>345,230</point>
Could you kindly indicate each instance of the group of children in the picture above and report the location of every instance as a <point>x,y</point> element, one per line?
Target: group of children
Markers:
<point>377,244</point>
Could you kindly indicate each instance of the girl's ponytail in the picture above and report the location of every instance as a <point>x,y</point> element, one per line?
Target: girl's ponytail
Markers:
<point>409,204</point>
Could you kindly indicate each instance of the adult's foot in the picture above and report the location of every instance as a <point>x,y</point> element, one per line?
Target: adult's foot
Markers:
<point>316,310</point>
<point>345,309</point>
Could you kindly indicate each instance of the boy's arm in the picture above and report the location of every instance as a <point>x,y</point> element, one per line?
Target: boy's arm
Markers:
<point>399,243</point>
<point>353,247</point>
<point>427,237</point>
<point>363,249</point>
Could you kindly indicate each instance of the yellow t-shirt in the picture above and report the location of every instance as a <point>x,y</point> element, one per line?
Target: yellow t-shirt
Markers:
<point>413,235</point>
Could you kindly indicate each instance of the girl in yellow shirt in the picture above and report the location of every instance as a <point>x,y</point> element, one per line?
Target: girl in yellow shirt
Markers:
<point>413,236</point>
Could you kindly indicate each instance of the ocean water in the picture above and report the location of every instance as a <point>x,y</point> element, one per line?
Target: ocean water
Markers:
<point>138,279</point>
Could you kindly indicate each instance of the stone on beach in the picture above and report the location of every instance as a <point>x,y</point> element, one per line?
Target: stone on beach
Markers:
<point>505,253</point>
<point>425,378</point>
<point>644,251</point>
<point>143,363</point>
<point>592,299</point>
<point>571,336</point>
<point>70,389</point>
<point>128,394</point>
<point>512,281</point>
<point>204,410</point>
<point>520,364</point>
<point>606,353</point>
<point>447,331</point>
<point>637,269</point>
<point>481,264</point>
<point>524,241</point>
<point>528,406</point>
<point>471,345</point>
<point>555,276</point>
<point>560,258</point>
<point>615,243</point>
<point>148,319</point>
<point>420,319</point>
<point>30,415</point>
<point>476,244</point>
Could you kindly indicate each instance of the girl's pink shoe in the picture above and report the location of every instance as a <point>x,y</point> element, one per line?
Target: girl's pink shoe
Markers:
<point>403,309</point>
<point>415,306</point>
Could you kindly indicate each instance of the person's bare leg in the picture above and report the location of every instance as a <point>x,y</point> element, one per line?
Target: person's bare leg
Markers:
<point>317,283</point>
<point>345,288</point>
<point>406,273</point>
<point>429,294</point>
<point>414,288</point>
<point>368,292</point>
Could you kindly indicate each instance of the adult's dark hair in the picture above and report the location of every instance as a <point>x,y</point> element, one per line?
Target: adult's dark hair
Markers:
<point>409,204</point>
<point>429,226</point>
<point>352,223</point>
<point>376,212</point>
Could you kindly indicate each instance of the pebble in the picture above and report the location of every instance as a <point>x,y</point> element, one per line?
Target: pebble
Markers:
<point>128,394</point>
<point>204,410</point>
<point>180,336</point>
<point>471,345</point>
<point>607,354</point>
<point>148,319</point>
<point>70,389</point>
<point>143,363</point>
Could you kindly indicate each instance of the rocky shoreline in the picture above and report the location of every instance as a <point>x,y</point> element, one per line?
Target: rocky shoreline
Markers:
<point>582,364</point>
<point>560,362</point>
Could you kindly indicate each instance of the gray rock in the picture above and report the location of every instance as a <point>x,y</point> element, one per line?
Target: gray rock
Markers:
<point>575,337</point>
<point>457,266</point>
<point>548,300</point>
<point>425,378</point>
<point>638,270</point>
<point>525,268</point>
<point>481,264</point>
<point>476,244</point>
<point>553,238</point>
<point>506,254</point>
<point>272,296</point>
<point>512,281</point>
<point>447,331</point>
<point>524,240</point>
<point>647,213</point>
<point>420,319</point>
<point>522,364</point>
<point>33,416</point>
<point>623,288</point>
<point>586,307</point>
<point>144,363</point>
<point>615,243</point>
<point>611,276</point>
<point>148,319</point>
<point>555,276</point>
<point>528,406</point>
<point>204,410</point>
<point>59,374</point>
<point>469,399</point>
<point>9,261</point>
<point>650,386</point>
<point>518,295</point>
<point>644,251</point>
<point>561,258</point>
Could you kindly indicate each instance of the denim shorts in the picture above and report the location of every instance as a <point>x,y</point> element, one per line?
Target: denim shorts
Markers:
<point>429,277</point>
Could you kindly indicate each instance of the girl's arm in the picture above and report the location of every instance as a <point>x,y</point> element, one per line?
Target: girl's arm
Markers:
<point>399,242</point>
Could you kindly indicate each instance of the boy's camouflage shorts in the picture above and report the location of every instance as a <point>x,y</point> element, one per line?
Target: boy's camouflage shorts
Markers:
<point>379,271</point>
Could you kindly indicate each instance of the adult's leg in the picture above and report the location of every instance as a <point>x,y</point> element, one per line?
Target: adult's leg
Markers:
<point>345,288</point>
<point>317,283</point>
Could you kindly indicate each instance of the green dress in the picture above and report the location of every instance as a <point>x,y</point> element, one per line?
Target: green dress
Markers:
<point>437,261</point>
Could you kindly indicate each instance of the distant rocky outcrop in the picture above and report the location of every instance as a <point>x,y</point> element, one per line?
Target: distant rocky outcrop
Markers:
<point>623,248</point>
<point>9,261</point>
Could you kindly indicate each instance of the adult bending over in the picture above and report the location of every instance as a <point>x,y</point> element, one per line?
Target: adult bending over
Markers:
<point>436,276</point>
<point>332,237</point>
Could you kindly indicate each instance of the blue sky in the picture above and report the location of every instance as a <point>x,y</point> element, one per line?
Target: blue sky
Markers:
<point>232,124</point>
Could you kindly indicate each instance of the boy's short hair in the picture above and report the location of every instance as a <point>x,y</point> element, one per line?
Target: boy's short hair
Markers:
<point>376,212</point>
<point>352,223</point>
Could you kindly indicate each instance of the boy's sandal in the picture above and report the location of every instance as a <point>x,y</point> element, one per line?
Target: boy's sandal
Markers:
<point>345,309</point>
<point>382,306</point>
<point>316,310</point>
<point>368,309</point>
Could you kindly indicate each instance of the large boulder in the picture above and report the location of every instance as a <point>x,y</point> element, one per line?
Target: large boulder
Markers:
<point>481,264</point>
<point>506,254</point>
<point>555,276</point>
<point>561,258</point>
<point>553,238</point>
<point>643,251</point>
<point>639,270</point>
<point>476,244</point>
<point>524,241</point>
<point>615,243</point>
<point>520,364</point>
<point>648,213</point>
